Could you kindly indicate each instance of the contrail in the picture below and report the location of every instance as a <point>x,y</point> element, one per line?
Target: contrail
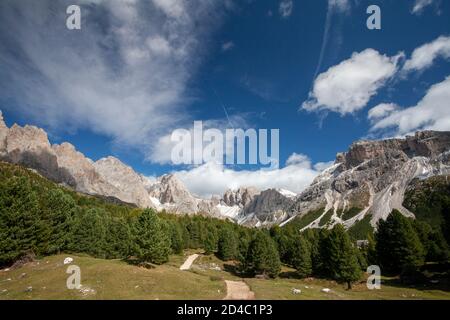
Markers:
<point>324,39</point>
<point>223,107</point>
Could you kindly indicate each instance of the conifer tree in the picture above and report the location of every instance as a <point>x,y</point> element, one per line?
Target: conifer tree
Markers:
<point>397,243</point>
<point>152,238</point>
<point>227,244</point>
<point>176,237</point>
<point>301,256</point>
<point>89,234</point>
<point>21,228</point>
<point>341,256</point>
<point>60,210</point>
<point>211,242</point>
<point>262,256</point>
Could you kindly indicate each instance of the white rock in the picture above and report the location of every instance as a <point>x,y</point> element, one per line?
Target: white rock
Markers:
<point>296,291</point>
<point>326,290</point>
<point>68,260</point>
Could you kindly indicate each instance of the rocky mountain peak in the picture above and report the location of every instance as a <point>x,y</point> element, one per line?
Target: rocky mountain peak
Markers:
<point>422,144</point>
<point>125,179</point>
<point>169,189</point>
<point>240,197</point>
<point>2,121</point>
<point>3,132</point>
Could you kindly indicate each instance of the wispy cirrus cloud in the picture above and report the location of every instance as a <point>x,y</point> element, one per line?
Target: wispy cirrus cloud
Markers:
<point>420,5</point>
<point>123,75</point>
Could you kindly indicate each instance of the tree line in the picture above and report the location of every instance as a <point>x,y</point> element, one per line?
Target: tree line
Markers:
<point>40,217</point>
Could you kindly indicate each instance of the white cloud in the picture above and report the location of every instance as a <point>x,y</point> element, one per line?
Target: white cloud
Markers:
<point>285,8</point>
<point>348,86</point>
<point>227,46</point>
<point>295,159</point>
<point>159,45</point>
<point>424,56</point>
<point>321,166</point>
<point>431,113</point>
<point>124,75</point>
<point>212,178</point>
<point>420,5</point>
<point>162,149</point>
<point>381,111</point>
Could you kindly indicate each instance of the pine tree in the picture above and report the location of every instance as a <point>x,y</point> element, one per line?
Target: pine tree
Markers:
<point>60,209</point>
<point>341,257</point>
<point>371,251</point>
<point>152,238</point>
<point>319,251</point>
<point>262,256</point>
<point>211,242</point>
<point>22,229</point>
<point>284,242</point>
<point>227,244</point>
<point>176,237</point>
<point>118,238</point>
<point>301,256</point>
<point>398,244</point>
<point>89,234</point>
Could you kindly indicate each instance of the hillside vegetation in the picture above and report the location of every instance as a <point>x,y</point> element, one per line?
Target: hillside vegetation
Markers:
<point>39,218</point>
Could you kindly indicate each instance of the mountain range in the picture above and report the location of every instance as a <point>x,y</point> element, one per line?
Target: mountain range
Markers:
<point>366,182</point>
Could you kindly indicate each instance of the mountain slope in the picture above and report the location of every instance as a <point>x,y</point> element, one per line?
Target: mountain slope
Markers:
<point>373,177</point>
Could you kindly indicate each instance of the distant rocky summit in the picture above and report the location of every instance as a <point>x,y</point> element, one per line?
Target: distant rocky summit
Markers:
<point>368,181</point>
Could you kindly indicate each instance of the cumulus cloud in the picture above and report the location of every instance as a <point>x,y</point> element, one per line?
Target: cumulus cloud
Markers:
<point>123,75</point>
<point>431,113</point>
<point>381,111</point>
<point>285,8</point>
<point>420,5</point>
<point>212,178</point>
<point>424,56</point>
<point>348,86</point>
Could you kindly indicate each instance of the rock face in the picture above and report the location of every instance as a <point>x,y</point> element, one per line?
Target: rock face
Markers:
<point>128,184</point>
<point>29,146</point>
<point>373,176</point>
<point>268,207</point>
<point>169,193</point>
<point>3,133</point>
<point>241,197</point>
<point>86,179</point>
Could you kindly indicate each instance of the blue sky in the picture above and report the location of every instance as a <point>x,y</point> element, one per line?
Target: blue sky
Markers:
<point>102,90</point>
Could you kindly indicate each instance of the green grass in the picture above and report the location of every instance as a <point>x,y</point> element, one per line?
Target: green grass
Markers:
<point>281,289</point>
<point>326,218</point>
<point>303,221</point>
<point>111,279</point>
<point>350,213</point>
<point>361,229</point>
<point>115,279</point>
